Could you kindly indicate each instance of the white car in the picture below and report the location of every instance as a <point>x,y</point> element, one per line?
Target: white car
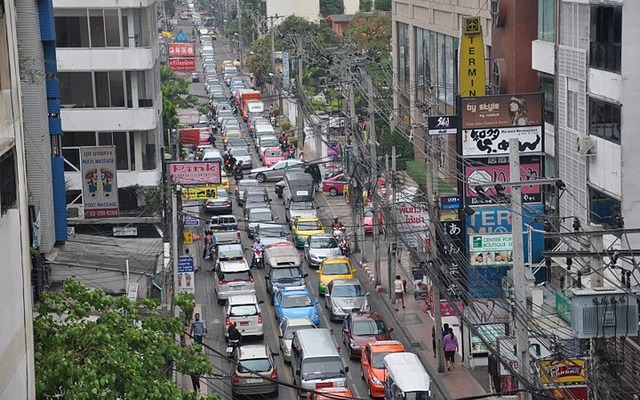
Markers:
<point>245,311</point>
<point>286,330</point>
<point>233,278</point>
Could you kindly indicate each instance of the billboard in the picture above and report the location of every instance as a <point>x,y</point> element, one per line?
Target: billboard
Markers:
<point>186,278</point>
<point>471,60</point>
<point>285,70</point>
<point>443,125</point>
<point>485,282</point>
<point>189,136</point>
<point>199,193</point>
<point>413,221</point>
<point>181,50</point>
<point>570,392</point>
<point>182,64</point>
<point>195,172</point>
<point>492,249</point>
<point>481,171</point>
<point>99,182</point>
<point>571,371</point>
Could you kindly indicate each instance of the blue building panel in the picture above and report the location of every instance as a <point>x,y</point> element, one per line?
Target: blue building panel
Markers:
<point>53,88</point>
<point>55,126</point>
<point>53,105</point>
<point>59,198</point>
<point>50,64</point>
<point>47,21</point>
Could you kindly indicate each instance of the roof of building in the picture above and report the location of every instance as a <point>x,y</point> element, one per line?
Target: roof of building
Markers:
<point>109,253</point>
<point>339,18</point>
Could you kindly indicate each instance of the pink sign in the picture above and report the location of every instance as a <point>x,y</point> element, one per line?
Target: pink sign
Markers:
<point>194,172</point>
<point>181,50</point>
<point>488,173</point>
<point>182,64</point>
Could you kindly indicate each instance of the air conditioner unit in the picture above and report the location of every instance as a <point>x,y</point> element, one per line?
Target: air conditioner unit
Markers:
<point>75,211</point>
<point>603,312</point>
<point>585,146</point>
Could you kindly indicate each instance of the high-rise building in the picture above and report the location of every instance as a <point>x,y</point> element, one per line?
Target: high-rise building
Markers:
<point>16,329</point>
<point>108,69</point>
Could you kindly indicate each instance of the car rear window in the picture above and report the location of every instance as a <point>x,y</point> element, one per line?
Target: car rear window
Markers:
<point>309,226</point>
<point>255,365</point>
<point>257,198</point>
<point>237,276</point>
<point>296,300</point>
<point>244,310</point>
<point>368,328</point>
<point>323,243</point>
<point>347,291</point>
<point>274,153</point>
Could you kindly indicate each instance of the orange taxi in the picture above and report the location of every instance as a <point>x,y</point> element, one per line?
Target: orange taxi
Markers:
<point>372,366</point>
<point>332,393</point>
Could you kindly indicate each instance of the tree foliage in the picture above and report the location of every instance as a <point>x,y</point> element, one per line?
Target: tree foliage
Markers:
<point>395,137</point>
<point>331,7</point>
<point>365,5</point>
<point>383,5</point>
<point>371,33</point>
<point>175,95</point>
<point>127,352</point>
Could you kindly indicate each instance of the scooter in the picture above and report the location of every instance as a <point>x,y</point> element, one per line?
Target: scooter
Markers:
<point>345,249</point>
<point>231,346</point>
<point>258,259</point>
<point>339,233</point>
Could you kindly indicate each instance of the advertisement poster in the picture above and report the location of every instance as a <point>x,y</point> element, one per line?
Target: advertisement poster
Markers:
<point>199,193</point>
<point>182,64</point>
<point>195,172</point>
<point>485,282</point>
<point>495,141</point>
<point>443,125</point>
<point>496,170</point>
<point>189,136</point>
<point>471,58</point>
<point>99,182</point>
<point>186,278</point>
<point>571,371</point>
<point>413,220</point>
<point>493,249</point>
<point>285,70</point>
<point>181,50</point>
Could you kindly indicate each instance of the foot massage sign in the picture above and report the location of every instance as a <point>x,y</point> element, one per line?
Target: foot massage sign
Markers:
<point>99,187</point>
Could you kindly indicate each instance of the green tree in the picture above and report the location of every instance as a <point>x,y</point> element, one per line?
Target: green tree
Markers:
<point>331,7</point>
<point>175,95</point>
<point>258,59</point>
<point>396,138</point>
<point>383,5</point>
<point>371,32</point>
<point>128,352</point>
<point>365,5</point>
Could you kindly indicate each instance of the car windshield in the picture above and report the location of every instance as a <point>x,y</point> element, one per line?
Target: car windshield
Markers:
<point>368,328</point>
<point>223,192</point>
<point>296,300</point>
<point>256,198</point>
<point>322,368</point>
<point>240,152</point>
<point>236,276</point>
<point>288,332</point>
<point>302,205</point>
<point>271,232</point>
<point>230,252</point>
<point>368,213</point>
<point>347,291</point>
<point>273,153</point>
<point>336,269</point>
<point>323,243</point>
<point>284,273</point>
<point>254,365</point>
<point>225,113</point>
<point>244,310</point>
<point>261,216</point>
<point>378,359</point>
<point>309,226</point>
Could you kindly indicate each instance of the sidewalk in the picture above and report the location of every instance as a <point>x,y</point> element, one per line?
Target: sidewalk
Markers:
<point>413,324</point>
<point>185,380</point>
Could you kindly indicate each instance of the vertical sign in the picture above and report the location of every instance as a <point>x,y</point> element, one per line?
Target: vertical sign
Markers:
<point>286,74</point>
<point>186,282</point>
<point>99,186</point>
<point>471,58</point>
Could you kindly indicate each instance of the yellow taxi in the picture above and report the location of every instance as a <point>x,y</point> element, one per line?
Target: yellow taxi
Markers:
<point>334,268</point>
<point>232,134</point>
<point>372,364</point>
<point>302,228</point>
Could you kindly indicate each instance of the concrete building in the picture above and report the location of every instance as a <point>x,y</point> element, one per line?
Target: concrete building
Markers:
<point>17,376</point>
<point>351,6</point>
<point>307,9</point>
<point>107,59</point>
<point>425,37</point>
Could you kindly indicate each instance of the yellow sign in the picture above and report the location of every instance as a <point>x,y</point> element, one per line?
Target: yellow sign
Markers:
<point>199,193</point>
<point>166,34</point>
<point>188,237</point>
<point>567,371</point>
<point>472,69</point>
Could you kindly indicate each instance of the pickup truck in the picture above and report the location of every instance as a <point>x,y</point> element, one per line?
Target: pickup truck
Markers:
<point>225,229</point>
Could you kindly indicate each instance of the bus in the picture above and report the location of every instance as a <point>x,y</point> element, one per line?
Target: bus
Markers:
<point>405,378</point>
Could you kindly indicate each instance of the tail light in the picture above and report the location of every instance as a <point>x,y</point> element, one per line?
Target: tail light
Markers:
<point>227,202</point>
<point>234,378</point>
<point>274,374</point>
<point>251,279</point>
<point>238,235</point>
<point>260,317</point>
<point>228,320</point>
<point>221,281</point>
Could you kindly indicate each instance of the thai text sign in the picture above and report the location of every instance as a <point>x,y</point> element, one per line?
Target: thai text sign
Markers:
<point>495,141</point>
<point>199,193</point>
<point>186,282</point>
<point>195,172</point>
<point>181,50</point>
<point>569,371</point>
<point>496,170</point>
<point>182,64</point>
<point>99,182</point>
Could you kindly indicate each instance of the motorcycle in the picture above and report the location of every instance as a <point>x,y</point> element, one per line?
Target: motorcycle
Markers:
<point>345,249</point>
<point>231,346</point>
<point>258,259</point>
<point>237,171</point>
<point>339,233</point>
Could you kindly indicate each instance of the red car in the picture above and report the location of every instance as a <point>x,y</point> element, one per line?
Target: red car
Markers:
<point>272,155</point>
<point>368,220</point>
<point>360,328</point>
<point>334,185</point>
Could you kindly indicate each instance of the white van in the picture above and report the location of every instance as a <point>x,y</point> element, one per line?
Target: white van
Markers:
<point>405,378</point>
<point>233,277</point>
<point>316,361</point>
<point>245,311</point>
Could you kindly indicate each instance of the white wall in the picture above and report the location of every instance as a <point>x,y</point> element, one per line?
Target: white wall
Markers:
<point>125,178</point>
<point>112,282</point>
<point>605,166</point>
<point>105,59</point>
<point>107,119</point>
<point>351,6</point>
<point>543,57</point>
<point>308,9</point>
<point>606,85</point>
<point>103,3</point>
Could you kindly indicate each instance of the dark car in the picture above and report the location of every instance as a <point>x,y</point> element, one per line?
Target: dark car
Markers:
<point>360,328</point>
<point>220,204</point>
<point>255,197</point>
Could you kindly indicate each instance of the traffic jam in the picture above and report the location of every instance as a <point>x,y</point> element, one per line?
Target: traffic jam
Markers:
<point>277,278</point>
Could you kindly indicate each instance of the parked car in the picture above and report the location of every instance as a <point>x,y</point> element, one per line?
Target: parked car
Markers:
<point>245,311</point>
<point>372,365</point>
<point>274,172</point>
<point>286,329</point>
<point>334,185</point>
<point>319,247</point>
<point>254,371</point>
<point>343,297</point>
<point>257,216</point>
<point>334,268</point>
<point>295,302</point>
<point>220,204</point>
<point>360,328</point>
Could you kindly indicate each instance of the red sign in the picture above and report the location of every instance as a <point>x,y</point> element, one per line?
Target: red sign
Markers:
<point>182,64</point>
<point>570,392</point>
<point>181,50</point>
<point>102,213</point>
<point>189,136</point>
<point>194,172</point>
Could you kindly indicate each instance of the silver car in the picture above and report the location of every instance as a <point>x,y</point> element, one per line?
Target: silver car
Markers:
<point>300,209</point>
<point>233,277</point>
<point>257,216</point>
<point>271,233</point>
<point>319,247</point>
<point>274,172</point>
<point>254,371</point>
<point>242,154</point>
<point>344,296</point>
<point>286,330</point>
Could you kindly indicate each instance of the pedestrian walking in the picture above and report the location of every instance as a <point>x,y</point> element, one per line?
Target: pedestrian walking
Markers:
<point>445,330</point>
<point>450,342</point>
<point>198,329</point>
<point>195,381</point>
<point>398,289</point>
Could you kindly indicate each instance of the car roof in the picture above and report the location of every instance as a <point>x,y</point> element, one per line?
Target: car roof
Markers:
<point>366,315</point>
<point>345,282</point>
<point>293,290</point>
<point>308,219</point>
<point>322,236</point>
<point>233,266</point>
<point>250,351</point>
<point>300,322</point>
<point>336,259</point>
<point>243,299</point>
<point>254,189</point>
<point>260,209</point>
<point>385,345</point>
<point>244,182</point>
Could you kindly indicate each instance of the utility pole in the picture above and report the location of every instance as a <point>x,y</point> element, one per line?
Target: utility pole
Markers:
<point>300,115</point>
<point>519,273</point>
<point>240,34</point>
<point>434,218</point>
<point>353,190</point>
<point>175,252</point>
<point>393,245</point>
<point>373,144</point>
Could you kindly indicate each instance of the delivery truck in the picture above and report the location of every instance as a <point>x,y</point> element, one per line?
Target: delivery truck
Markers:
<point>245,98</point>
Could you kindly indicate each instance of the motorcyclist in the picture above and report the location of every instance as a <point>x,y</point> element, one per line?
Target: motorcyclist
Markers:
<point>234,334</point>
<point>337,224</point>
<point>257,246</point>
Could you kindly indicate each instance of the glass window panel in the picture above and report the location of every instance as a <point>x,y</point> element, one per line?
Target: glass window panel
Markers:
<point>112,28</point>
<point>96,24</point>
<point>606,37</point>
<point>125,31</point>
<point>105,138</point>
<point>116,88</point>
<point>604,120</point>
<point>132,151</point>
<point>72,31</point>
<point>102,89</point>
<point>72,156</point>
<point>128,87</point>
<point>122,150</point>
<point>149,150</point>
<point>76,89</point>
<point>78,139</point>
